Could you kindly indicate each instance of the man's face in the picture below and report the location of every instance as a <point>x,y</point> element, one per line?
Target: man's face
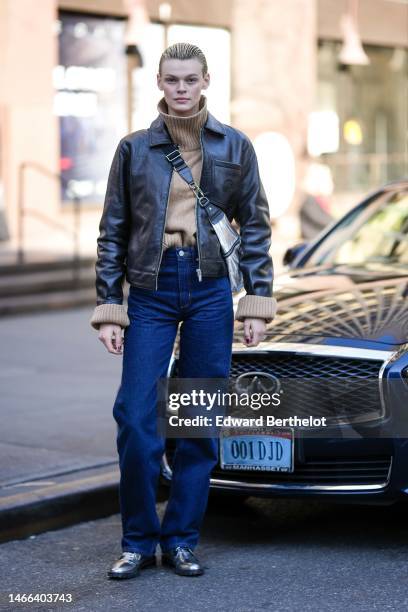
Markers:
<point>182,82</point>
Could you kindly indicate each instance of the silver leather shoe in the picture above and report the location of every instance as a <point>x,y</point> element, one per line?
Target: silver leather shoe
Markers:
<point>129,565</point>
<point>183,561</point>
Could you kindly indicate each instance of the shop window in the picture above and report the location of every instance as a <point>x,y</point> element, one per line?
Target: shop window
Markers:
<point>360,120</point>
<point>90,101</point>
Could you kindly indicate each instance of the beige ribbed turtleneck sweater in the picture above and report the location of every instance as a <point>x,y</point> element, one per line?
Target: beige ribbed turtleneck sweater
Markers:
<point>185,131</point>
<point>180,221</point>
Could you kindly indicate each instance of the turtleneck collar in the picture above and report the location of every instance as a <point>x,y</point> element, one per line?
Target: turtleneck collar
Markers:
<point>185,131</point>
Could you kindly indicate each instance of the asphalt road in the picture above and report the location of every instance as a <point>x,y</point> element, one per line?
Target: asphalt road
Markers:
<point>259,555</point>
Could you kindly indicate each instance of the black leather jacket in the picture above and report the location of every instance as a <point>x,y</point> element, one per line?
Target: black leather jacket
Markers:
<point>131,229</point>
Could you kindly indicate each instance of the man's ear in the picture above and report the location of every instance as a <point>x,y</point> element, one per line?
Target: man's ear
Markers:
<point>159,85</point>
<point>206,80</point>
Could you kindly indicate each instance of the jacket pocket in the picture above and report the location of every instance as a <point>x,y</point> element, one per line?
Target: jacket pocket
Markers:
<point>226,177</point>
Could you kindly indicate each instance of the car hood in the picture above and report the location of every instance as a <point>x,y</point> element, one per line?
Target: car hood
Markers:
<point>342,305</point>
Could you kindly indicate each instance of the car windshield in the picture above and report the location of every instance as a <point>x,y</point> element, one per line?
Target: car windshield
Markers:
<point>376,233</point>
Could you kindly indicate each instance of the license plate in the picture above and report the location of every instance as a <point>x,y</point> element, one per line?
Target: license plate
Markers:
<point>257,449</point>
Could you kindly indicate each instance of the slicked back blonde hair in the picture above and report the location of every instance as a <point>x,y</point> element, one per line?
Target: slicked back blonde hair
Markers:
<point>184,51</point>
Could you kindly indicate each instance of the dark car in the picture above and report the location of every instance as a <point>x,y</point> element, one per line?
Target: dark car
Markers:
<point>342,319</point>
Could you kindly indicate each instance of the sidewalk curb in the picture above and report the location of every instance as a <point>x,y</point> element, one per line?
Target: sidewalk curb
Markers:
<point>59,505</point>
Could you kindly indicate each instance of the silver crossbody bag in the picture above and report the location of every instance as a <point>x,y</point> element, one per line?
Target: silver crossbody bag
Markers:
<point>229,238</point>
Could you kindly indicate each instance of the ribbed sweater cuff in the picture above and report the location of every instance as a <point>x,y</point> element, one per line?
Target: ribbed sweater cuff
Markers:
<point>115,314</point>
<point>256,306</point>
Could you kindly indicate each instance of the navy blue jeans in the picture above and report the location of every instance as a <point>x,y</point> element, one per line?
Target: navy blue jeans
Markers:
<point>206,312</point>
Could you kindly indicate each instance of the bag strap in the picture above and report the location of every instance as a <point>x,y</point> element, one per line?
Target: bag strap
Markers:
<point>173,155</point>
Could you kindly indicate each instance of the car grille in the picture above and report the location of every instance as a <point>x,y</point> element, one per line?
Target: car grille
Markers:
<point>290,365</point>
<point>344,390</point>
<point>372,471</point>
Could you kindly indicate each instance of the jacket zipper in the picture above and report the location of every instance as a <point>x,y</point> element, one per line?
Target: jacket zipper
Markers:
<point>164,227</point>
<point>198,270</point>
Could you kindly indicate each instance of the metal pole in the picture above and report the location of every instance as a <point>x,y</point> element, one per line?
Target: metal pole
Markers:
<point>20,214</point>
<point>77,227</point>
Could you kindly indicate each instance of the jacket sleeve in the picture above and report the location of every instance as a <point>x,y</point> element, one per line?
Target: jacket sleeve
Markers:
<point>252,214</point>
<point>112,244</point>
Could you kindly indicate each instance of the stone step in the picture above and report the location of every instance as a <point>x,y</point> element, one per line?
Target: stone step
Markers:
<point>41,302</point>
<point>44,265</point>
<point>51,280</point>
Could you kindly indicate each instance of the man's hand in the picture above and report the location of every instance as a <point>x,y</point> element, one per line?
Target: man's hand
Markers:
<point>254,331</point>
<point>111,336</point>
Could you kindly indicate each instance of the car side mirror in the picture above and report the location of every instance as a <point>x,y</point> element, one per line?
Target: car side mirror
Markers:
<point>292,252</point>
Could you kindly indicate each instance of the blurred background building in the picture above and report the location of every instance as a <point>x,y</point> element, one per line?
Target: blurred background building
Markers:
<point>320,86</point>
